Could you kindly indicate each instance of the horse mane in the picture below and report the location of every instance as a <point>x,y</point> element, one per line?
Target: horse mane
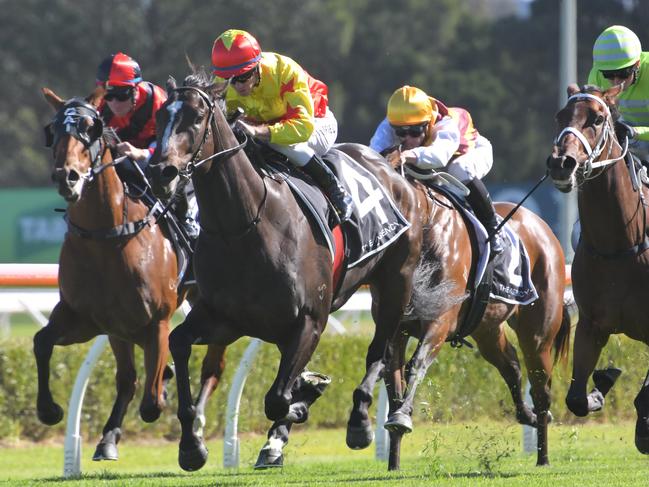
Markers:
<point>201,79</point>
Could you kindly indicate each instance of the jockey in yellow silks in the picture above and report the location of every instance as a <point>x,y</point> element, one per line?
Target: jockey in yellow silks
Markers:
<point>283,106</point>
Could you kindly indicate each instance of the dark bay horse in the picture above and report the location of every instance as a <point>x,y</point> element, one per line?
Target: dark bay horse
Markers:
<point>111,280</point>
<point>610,270</point>
<point>261,269</point>
<point>539,326</point>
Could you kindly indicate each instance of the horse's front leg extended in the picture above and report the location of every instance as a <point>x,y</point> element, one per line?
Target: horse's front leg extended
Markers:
<point>296,353</point>
<point>587,348</point>
<point>125,379</point>
<point>64,327</point>
<point>198,328</point>
<point>156,351</point>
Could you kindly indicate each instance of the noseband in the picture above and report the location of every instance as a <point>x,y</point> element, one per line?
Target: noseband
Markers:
<point>193,163</point>
<point>594,152</point>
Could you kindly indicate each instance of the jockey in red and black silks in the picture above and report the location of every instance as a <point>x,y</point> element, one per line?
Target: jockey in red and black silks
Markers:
<point>129,106</point>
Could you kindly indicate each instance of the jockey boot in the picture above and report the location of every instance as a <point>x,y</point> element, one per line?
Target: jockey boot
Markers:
<point>326,179</point>
<point>484,210</point>
<point>184,216</point>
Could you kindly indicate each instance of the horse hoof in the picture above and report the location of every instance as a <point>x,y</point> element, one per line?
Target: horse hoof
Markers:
<point>269,458</point>
<point>359,437</point>
<point>399,423</point>
<point>105,451</point>
<point>52,416</point>
<point>149,414</point>
<point>605,379</point>
<point>192,460</point>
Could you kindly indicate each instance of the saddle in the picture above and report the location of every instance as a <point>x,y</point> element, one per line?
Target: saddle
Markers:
<point>376,221</point>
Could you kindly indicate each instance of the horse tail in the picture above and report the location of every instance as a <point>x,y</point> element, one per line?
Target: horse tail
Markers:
<point>562,339</point>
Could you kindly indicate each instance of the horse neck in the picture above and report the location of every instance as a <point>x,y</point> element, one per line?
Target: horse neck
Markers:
<point>610,211</point>
<point>230,191</point>
<point>102,201</point>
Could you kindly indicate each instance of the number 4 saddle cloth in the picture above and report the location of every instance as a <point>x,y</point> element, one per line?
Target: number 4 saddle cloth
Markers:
<point>376,222</point>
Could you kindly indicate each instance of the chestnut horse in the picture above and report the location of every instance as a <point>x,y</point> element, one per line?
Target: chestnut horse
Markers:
<point>117,274</point>
<point>539,325</point>
<point>611,266</point>
<point>261,269</point>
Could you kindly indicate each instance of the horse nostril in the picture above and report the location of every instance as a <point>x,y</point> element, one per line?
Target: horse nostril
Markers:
<point>72,177</point>
<point>169,173</point>
<point>569,163</point>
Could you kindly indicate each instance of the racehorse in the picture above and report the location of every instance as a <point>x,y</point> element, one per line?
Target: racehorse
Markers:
<point>117,274</point>
<point>611,266</point>
<point>539,325</point>
<point>261,269</point>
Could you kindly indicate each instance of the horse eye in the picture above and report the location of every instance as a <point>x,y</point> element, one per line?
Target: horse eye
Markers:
<point>599,120</point>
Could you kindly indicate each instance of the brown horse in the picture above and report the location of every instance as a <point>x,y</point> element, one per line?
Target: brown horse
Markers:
<point>261,269</point>
<point>611,266</point>
<point>538,325</point>
<point>117,274</point>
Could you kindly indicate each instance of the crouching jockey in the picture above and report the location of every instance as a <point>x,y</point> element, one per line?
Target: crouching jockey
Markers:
<point>282,106</point>
<point>432,136</point>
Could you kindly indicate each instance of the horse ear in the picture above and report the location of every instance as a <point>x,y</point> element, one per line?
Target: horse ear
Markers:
<point>171,85</point>
<point>192,66</point>
<point>572,89</point>
<point>612,93</point>
<point>96,96</point>
<point>52,98</point>
<point>218,88</point>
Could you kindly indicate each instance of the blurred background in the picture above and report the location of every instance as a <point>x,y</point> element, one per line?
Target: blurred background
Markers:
<point>497,58</point>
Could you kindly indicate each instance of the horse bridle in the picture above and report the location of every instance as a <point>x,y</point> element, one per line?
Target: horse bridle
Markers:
<point>193,163</point>
<point>67,120</point>
<point>607,133</point>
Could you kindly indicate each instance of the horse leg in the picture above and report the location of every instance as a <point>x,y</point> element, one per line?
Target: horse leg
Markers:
<point>125,378</point>
<point>156,351</point>
<point>211,372</point>
<point>394,385</point>
<point>63,328</point>
<point>499,352</point>
<point>295,354</point>
<point>308,387</point>
<point>641,404</point>
<point>198,327</point>
<point>587,348</point>
<point>430,343</point>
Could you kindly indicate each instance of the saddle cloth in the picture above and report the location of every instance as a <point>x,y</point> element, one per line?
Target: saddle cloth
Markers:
<point>376,222</point>
<point>512,282</point>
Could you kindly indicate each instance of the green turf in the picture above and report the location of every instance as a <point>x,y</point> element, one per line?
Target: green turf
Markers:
<point>457,455</point>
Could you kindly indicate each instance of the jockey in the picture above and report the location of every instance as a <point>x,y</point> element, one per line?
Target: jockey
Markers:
<point>433,136</point>
<point>283,106</point>
<point>129,106</point>
<point>618,59</point>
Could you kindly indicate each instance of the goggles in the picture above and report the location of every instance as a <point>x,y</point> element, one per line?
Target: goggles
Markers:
<point>619,73</point>
<point>119,95</point>
<point>242,78</point>
<point>402,131</point>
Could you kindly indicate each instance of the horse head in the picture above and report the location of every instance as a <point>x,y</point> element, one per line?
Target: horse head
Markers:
<point>586,133</point>
<point>75,137</point>
<point>184,128</point>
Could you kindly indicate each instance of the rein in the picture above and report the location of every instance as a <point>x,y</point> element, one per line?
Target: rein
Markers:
<point>192,165</point>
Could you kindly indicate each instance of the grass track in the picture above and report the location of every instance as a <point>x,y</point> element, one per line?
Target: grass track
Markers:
<point>458,455</point>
